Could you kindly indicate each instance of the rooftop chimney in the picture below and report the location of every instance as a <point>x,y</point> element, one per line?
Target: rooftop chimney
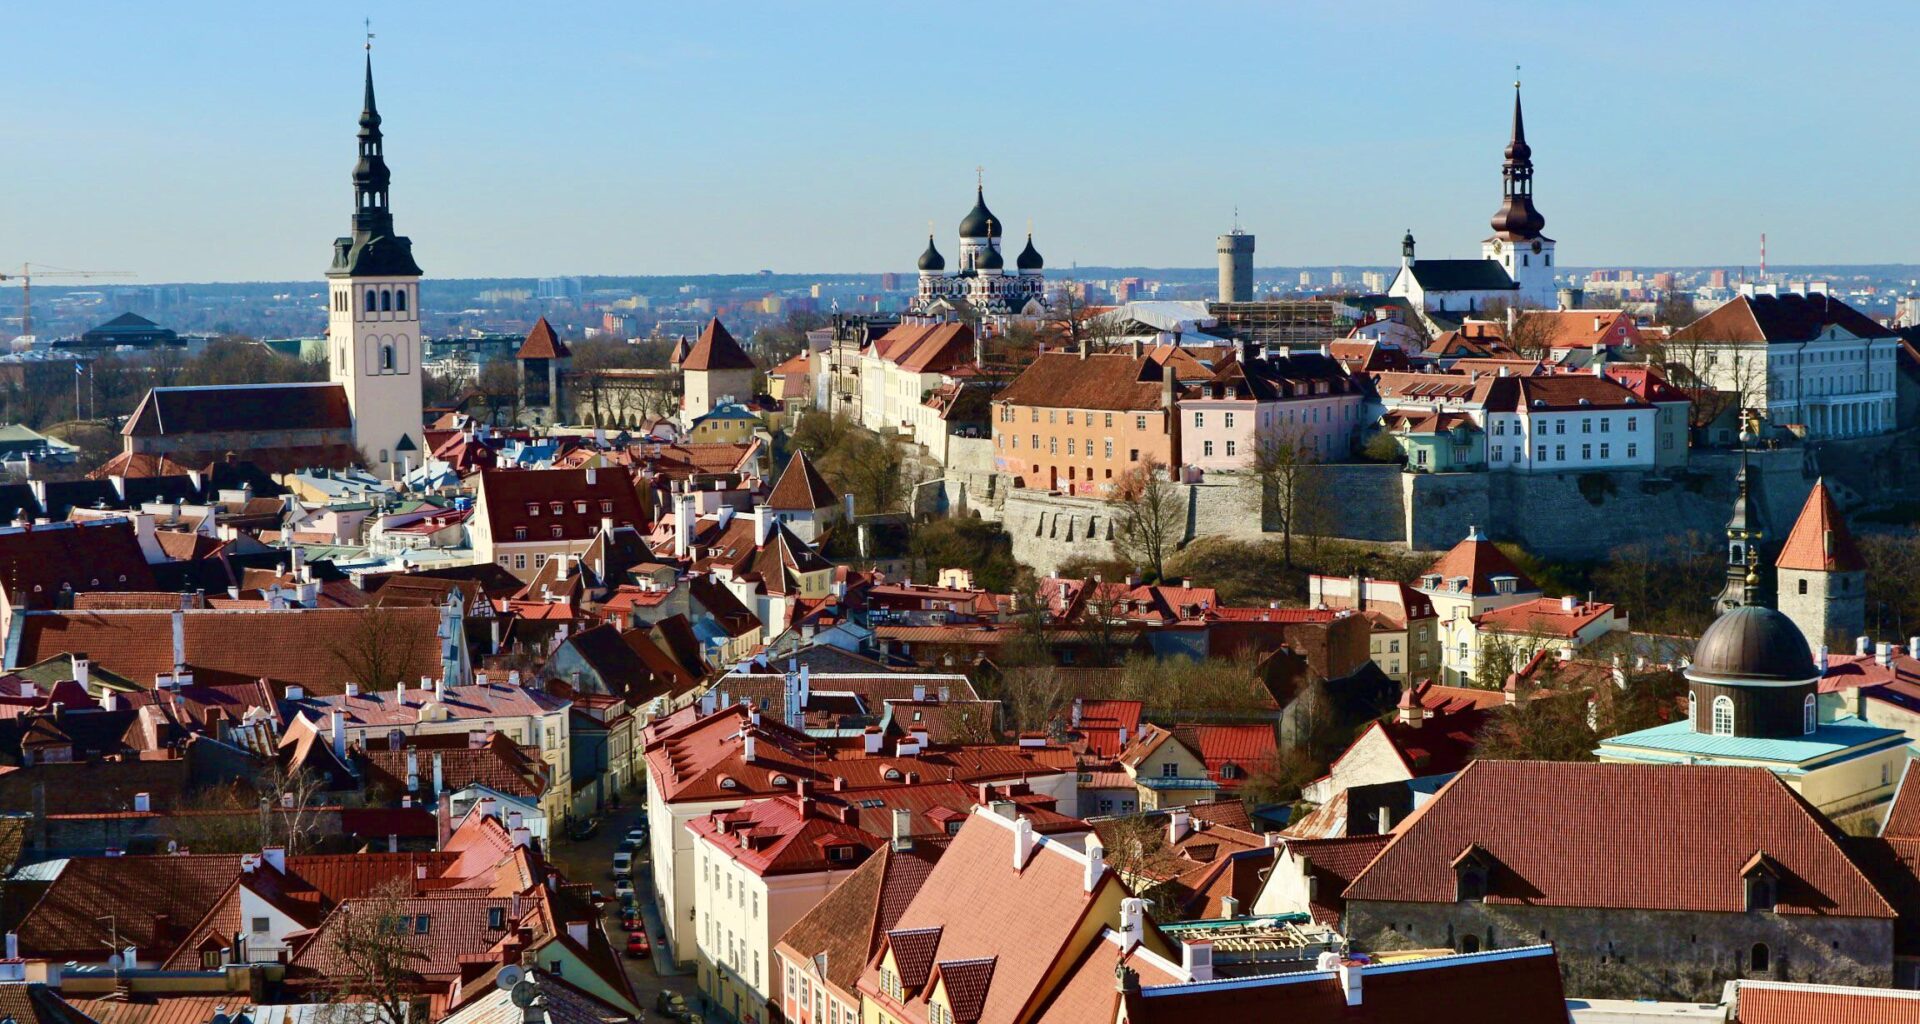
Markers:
<point>1350,982</point>
<point>1133,922</point>
<point>340,735</point>
<point>523,837</point>
<point>439,782</point>
<point>1096,864</point>
<point>142,803</point>
<point>1883,653</point>
<point>1569,603</point>
<point>1862,646</point>
<point>1177,824</point>
<point>276,857</point>
<point>1022,843</point>
<point>902,829</point>
<point>1196,958</point>
<point>82,670</point>
<point>1383,820</point>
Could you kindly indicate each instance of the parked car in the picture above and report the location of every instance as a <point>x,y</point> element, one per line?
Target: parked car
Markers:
<point>622,863</point>
<point>637,836</point>
<point>638,947</point>
<point>624,893</point>
<point>671,1004</point>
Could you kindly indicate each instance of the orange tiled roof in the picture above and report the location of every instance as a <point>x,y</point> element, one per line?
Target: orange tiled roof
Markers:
<point>1820,541</point>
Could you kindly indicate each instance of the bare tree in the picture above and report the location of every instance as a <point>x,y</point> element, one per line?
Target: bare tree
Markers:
<point>381,648</point>
<point>372,960</point>
<point>281,808</point>
<point>1717,377</point>
<point>1150,516</point>
<point>1530,335</point>
<point>1070,319</point>
<point>498,383</point>
<point>1290,487</point>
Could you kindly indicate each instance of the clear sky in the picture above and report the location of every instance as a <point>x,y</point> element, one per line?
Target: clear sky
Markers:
<point>202,141</point>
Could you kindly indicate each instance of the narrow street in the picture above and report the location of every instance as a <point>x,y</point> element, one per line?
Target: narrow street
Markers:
<point>591,861</point>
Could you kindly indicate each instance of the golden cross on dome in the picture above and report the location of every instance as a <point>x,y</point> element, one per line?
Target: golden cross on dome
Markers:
<point>979,176</point>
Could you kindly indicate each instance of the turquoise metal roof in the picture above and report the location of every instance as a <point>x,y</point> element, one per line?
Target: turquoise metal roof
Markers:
<point>1841,739</point>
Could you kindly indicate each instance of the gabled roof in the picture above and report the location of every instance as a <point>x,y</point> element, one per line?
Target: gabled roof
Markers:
<point>1764,319</point>
<point>716,350</point>
<point>1103,380</point>
<point>1820,541</point>
<point>1543,617</point>
<point>1778,1002</point>
<point>927,348</point>
<point>226,408</point>
<point>38,562</point>
<point>1673,847</point>
<point>543,343</point>
<point>785,835</point>
<point>1335,862</point>
<point>801,488</point>
<point>1482,275</point>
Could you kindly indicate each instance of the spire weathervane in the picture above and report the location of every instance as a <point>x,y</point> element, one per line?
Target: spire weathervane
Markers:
<point>1516,76</point>
<point>369,23</point>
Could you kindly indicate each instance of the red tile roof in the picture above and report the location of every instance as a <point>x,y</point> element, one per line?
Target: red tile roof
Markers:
<point>1771,318</point>
<point>575,500</point>
<point>543,343</point>
<point>1672,847</point>
<point>1579,328</point>
<point>1231,752</point>
<point>1478,561</point>
<point>927,348</point>
<point>1773,1002</point>
<point>786,835</point>
<point>1543,617</point>
<point>1033,915</point>
<point>716,350</point>
<point>1820,541</point>
<point>287,646</point>
<point>233,408</point>
<point>39,562</point>
<point>1103,380</point>
<point>801,488</point>
<point>1335,862</point>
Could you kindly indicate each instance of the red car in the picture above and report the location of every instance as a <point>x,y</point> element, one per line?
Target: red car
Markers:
<point>638,947</point>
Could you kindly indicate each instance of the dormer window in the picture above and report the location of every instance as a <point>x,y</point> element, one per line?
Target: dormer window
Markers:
<point>1472,873</point>
<point>840,852</point>
<point>533,508</point>
<point>558,507</point>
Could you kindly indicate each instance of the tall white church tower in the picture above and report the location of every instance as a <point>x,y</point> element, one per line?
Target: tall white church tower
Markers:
<point>373,327</point>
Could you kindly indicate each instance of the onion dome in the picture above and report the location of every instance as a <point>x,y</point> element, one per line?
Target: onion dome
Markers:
<point>990,259</point>
<point>1517,220</point>
<point>1752,644</point>
<point>931,260</point>
<point>979,222</point>
<point>1029,258</point>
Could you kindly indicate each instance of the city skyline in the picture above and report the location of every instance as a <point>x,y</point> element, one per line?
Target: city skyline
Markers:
<point>667,145</point>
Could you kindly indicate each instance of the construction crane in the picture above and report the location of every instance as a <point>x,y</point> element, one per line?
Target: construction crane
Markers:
<point>28,272</point>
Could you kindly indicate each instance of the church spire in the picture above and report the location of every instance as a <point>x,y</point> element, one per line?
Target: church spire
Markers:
<point>1517,220</point>
<point>371,215</point>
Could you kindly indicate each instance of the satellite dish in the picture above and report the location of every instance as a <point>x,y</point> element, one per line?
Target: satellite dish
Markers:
<point>508,977</point>
<point>524,994</point>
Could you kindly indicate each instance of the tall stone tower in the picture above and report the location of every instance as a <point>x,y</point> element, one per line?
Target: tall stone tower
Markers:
<point>373,324</point>
<point>1236,266</point>
<point>1822,576</point>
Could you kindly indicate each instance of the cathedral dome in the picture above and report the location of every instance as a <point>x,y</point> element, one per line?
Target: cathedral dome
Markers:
<point>979,222</point>
<point>1029,258</point>
<point>1752,645</point>
<point>992,260</point>
<point>931,260</point>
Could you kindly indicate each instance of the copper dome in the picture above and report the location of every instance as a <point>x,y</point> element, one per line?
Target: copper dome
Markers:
<point>1753,644</point>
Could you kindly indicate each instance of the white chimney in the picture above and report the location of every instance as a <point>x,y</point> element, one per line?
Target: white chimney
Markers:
<point>1383,820</point>
<point>109,700</point>
<point>1133,922</point>
<point>1022,843</point>
<point>438,779</point>
<point>1096,863</point>
<point>1350,982</point>
<point>1196,959</point>
<point>353,689</point>
<point>142,803</point>
<point>1229,906</point>
<point>592,476</point>
<point>413,771</point>
<point>763,520</point>
<point>515,819</point>
<point>1078,705</point>
<point>902,829</point>
<point>872,738</point>
<point>28,690</point>
<point>276,857</point>
<point>296,693</point>
<point>523,837</point>
<point>82,670</point>
<point>1862,646</point>
<point>400,692</point>
<point>13,946</point>
<point>1569,603</point>
<point>1176,824</point>
<point>179,638</point>
<point>748,748</point>
<point>1883,653</point>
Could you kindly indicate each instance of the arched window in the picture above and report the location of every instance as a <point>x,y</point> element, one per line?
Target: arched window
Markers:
<point>1809,714</point>
<point>386,301</point>
<point>1759,958</point>
<point>1469,943</point>
<point>1693,711</point>
<point>400,299</point>
<point>386,358</point>
<point>372,300</point>
<point>1723,716</point>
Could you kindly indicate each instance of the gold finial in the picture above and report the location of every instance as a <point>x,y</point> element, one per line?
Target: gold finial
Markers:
<point>979,177</point>
<point>369,23</point>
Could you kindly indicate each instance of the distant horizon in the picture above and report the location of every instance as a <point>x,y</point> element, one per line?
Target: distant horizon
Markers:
<point>1053,274</point>
<point>185,146</point>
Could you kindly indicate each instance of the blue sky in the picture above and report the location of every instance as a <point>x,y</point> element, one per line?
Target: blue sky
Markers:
<point>204,141</point>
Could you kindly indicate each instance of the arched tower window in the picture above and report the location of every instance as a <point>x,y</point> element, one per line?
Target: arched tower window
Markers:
<point>1723,716</point>
<point>386,358</point>
<point>373,300</point>
<point>386,301</point>
<point>1809,714</point>
<point>400,299</point>
<point>1759,959</point>
<point>1693,711</point>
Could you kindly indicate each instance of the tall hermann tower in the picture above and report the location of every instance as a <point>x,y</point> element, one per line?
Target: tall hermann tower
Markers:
<point>373,324</point>
<point>1235,249</point>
